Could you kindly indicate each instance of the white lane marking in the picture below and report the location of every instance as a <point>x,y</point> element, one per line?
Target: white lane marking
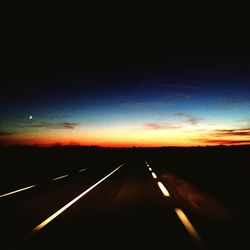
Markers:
<point>150,169</point>
<point>163,189</point>
<point>154,175</point>
<point>81,170</point>
<point>53,216</point>
<point>189,227</point>
<point>16,191</point>
<point>60,177</point>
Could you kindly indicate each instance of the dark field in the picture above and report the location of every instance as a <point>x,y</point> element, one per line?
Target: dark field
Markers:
<point>209,183</point>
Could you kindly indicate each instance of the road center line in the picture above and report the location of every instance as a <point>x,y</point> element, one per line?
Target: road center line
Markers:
<point>60,177</point>
<point>163,189</point>
<point>189,227</point>
<point>16,191</point>
<point>53,216</point>
<point>150,169</point>
<point>154,175</point>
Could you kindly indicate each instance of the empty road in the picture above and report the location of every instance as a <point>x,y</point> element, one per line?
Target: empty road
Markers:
<point>110,206</point>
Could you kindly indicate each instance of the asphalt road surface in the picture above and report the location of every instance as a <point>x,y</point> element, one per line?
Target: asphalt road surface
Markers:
<point>109,206</point>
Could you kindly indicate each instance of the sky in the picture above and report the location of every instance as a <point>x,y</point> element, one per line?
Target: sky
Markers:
<point>188,89</point>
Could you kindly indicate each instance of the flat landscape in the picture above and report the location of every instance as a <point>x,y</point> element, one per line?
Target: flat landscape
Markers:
<point>124,198</point>
<point>116,141</point>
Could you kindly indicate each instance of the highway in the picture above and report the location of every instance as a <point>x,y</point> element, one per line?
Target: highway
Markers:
<point>110,206</point>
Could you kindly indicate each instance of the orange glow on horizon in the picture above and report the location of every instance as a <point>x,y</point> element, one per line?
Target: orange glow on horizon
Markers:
<point>120,137</point>
<point>46,142</point>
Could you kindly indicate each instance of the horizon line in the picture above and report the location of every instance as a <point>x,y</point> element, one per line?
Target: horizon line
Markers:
<point>121,147</point>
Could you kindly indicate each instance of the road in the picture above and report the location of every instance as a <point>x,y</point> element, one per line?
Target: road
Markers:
<point>110,206</point>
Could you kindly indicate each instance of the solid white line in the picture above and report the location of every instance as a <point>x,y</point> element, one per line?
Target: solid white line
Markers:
<point>163,189</point>
<point>53,216</point>
<point>16,191</point>
<point>81,170</point>
<point>189,227</point>
<point>60,177</point>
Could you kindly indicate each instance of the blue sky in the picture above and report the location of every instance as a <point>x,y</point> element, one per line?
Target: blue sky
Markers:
<point>146,98</point>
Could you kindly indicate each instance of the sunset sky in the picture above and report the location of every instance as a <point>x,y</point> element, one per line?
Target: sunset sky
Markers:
<point>185,90</point>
